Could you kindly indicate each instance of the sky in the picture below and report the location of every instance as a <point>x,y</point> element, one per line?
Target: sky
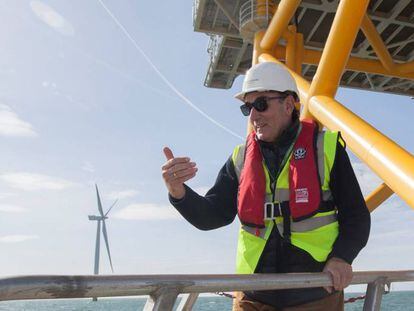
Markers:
<point>85,101</point>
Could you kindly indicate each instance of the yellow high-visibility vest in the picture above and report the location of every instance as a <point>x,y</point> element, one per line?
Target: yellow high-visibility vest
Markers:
<point>315,235</point>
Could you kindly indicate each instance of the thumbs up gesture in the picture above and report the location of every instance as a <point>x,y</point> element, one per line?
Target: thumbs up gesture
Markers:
<point>175,172</point>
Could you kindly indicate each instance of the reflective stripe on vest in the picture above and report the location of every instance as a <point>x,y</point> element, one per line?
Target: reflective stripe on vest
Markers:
<point>316,234</point>
<point>319,220</point>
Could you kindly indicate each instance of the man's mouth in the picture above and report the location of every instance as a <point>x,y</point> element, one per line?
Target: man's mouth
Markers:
<point>259,127</point>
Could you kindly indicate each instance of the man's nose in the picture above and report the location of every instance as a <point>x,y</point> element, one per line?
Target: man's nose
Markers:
<point>253,114</point>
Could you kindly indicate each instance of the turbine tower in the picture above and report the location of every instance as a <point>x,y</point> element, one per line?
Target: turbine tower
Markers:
<point>101,221</point>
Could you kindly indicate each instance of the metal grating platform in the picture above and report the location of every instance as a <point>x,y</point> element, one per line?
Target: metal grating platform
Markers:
<point>231,56</point>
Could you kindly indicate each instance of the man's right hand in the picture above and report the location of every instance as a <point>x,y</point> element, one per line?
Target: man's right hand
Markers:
<point>175,172</point>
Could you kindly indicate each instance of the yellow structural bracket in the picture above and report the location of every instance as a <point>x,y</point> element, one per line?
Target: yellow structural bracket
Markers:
<point>378,196</point>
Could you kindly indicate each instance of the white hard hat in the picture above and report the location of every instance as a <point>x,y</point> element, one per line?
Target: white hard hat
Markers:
<point>268,76</point>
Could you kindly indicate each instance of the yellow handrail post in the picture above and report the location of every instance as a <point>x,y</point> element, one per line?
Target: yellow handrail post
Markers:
<point>371,33</point>
<point>337,49</point>
<point>284,13</point>
<point>378,196</point>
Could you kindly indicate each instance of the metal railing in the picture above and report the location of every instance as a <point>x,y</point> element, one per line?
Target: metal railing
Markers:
<point>164,289</point>
<point>196,4</point>
<point>259,13</point>
<point>214,49</point>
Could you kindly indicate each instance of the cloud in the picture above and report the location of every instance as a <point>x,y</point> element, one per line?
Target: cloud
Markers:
<point>88,167</point>
<point>147,212</point>
<point>6,195</point>
<point>52,18</point>
<point>48,84</point>
<point>389,242</point>
<point>17,238</point>
<point>12,125</point>
<point>57,91</point>
<point>124,194</point>
<point>12,208</point>
<point>33,182</point>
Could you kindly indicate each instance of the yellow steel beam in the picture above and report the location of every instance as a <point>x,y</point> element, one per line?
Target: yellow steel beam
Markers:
<point>313,57</point>
<point>291,48</point>
<point>406,68</point>
<point>389,161</point>
<point>284,13</point>
<point>299,53</point>
<point>378,196</point>
<point>257,50</point>
<point>344,29</point>
<point>371,33</point>
<point>294,52</point>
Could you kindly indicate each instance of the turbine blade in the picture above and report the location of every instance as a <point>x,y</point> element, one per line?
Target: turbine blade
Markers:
<point>105,234</point>
<point>113,204</point>
<point>99,201</point>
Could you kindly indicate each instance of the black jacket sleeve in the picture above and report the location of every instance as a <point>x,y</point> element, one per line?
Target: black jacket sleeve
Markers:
<point>353,216</point>
<point>217,208</point>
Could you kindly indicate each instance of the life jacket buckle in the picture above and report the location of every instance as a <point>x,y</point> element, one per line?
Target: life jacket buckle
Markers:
<point>270,212</point>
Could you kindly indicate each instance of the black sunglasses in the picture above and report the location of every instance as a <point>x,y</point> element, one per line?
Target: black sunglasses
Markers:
<point>260,104</point>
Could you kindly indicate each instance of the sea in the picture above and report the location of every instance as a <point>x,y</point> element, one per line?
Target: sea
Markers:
<point>395,301</point>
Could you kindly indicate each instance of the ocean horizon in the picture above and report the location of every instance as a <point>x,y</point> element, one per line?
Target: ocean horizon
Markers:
<point>395,301</point>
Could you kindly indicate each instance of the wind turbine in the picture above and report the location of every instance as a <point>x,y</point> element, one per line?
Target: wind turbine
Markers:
<point>101,220</point>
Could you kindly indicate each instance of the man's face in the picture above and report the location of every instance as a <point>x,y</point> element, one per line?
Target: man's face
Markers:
<point>270,123</point>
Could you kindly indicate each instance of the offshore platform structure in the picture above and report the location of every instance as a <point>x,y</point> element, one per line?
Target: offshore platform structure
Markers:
<point>324,43</point>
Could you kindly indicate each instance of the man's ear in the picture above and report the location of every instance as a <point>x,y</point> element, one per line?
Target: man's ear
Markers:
<point>290,104</point>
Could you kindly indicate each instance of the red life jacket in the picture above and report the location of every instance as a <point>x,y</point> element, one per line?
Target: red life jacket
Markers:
<point>304,182</point>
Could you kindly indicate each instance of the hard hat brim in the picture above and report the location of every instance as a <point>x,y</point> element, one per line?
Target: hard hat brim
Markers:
<point>241,95</point>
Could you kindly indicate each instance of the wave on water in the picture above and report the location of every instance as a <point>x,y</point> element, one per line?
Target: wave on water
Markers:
<point>395,301</point>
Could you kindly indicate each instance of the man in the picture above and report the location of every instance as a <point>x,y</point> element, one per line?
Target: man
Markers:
<point>294,190</point>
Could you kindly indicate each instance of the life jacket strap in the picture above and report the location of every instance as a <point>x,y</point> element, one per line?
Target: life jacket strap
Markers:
<point>286,224</point>
<point>273,210</point>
